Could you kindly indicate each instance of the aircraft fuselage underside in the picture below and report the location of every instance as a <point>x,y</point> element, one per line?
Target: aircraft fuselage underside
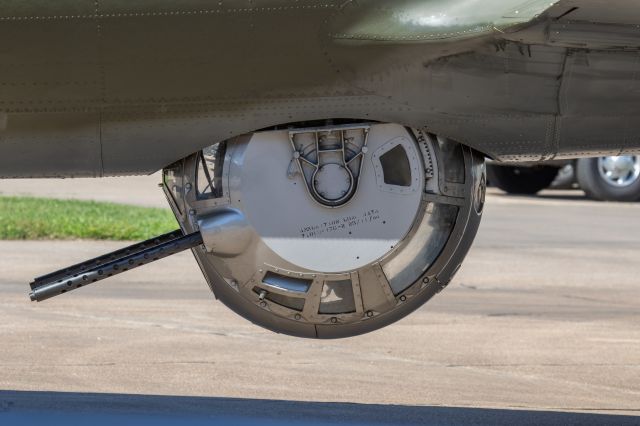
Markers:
<point>324,160</point>
<point>93,89</point>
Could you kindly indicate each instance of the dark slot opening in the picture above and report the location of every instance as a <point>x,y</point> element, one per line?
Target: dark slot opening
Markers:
<point>396,167</point>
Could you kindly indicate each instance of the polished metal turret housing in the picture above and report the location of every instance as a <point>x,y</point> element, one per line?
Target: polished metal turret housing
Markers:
<point>329,231</point>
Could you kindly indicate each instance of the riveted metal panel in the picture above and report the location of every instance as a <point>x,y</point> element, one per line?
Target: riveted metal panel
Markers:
<point>601,78</point>
<point>233,53</point>
<point>39,10</point>
<point>162,79</point>
<point>57,145</point>
<point>49,87</point>
<point>50,64</point>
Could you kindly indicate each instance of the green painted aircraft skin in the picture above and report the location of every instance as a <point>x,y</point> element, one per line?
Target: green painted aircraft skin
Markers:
<point>116,87</point>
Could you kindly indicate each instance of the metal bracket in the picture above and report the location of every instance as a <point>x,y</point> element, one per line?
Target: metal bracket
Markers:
<point>333,153</point>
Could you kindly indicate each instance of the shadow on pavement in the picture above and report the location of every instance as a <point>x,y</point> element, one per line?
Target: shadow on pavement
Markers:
<point>57,408</point>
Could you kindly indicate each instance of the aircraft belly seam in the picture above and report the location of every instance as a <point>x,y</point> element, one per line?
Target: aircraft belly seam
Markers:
<point>174,13</point>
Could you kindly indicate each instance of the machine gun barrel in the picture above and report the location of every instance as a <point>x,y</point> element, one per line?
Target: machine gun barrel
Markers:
<point>111,264</point>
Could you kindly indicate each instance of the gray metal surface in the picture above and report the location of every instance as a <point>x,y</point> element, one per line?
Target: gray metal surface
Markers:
<point>292,225</point>
<point>93,88</point>
<point>330,267</point>
<point>329,162</point>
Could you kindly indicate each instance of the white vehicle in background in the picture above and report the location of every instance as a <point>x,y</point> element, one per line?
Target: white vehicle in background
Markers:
<point>612,178</point>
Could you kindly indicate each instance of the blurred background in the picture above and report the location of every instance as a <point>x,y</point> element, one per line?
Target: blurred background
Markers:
<point>612,178</point>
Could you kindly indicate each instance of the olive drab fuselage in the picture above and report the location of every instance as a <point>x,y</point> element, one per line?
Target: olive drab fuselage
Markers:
<point>115,87</point>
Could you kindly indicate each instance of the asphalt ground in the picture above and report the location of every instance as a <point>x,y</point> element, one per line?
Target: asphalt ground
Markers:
<point>540,326</point>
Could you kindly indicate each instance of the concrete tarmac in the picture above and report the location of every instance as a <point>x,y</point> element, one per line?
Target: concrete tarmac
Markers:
<point>136,190</point>
<point>540,326</point>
